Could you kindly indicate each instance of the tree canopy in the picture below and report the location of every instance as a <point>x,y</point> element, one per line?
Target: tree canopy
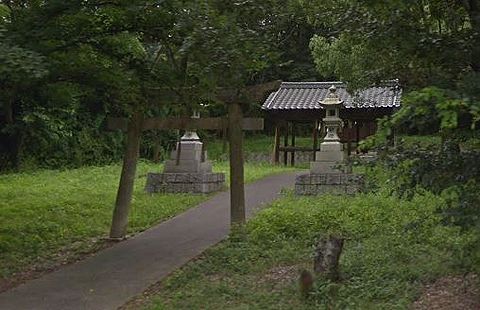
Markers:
<point>67,64</point>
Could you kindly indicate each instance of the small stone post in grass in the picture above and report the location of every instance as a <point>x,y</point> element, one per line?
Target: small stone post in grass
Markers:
<point>327,257</point>
<point>306,283</point>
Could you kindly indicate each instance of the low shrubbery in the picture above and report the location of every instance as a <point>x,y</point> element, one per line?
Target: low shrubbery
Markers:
<point>393,246</point>
<point>416,223</point>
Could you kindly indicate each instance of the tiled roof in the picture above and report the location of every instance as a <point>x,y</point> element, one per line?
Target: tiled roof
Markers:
<point>307,95</point>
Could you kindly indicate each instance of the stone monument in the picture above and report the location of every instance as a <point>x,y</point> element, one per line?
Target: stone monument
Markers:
<point>188,170</point>
<point>328,173</point>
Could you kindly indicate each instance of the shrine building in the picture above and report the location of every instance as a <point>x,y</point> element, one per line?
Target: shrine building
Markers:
<point>299,103</point>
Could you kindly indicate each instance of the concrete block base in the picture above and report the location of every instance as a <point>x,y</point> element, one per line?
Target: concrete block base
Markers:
<point>200,183</point>
<point>329,183</point>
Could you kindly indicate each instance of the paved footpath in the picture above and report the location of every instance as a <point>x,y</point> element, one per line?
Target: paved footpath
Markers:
<point>115,275</point>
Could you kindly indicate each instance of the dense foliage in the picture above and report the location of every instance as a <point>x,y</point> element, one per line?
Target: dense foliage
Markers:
<point>423,43</point>
<point>66,65</point>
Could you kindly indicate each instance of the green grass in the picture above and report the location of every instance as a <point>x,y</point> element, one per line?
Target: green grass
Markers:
<point>392,248</point>
<point>254,144</point>
<point>48,212</point>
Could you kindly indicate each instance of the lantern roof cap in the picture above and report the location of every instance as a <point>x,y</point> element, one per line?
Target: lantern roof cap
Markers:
<point>332,99</point>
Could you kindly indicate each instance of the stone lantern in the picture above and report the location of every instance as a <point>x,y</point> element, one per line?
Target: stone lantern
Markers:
<point>331,155</point>
<point>327,172</point>
<point>332,121</point>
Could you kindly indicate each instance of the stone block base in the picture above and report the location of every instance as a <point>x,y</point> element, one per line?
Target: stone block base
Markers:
<point>329,183</point>
<point>200,183</point>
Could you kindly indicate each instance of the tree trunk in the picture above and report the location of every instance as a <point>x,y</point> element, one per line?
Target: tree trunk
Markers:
<point>327,257</point>
<point>14,138</point>
<point>127,178</point>
<point>474,14</point>
<point>237,190</point>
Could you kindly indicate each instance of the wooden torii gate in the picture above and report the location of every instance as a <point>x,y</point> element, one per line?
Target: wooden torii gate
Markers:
<point>235,124</point>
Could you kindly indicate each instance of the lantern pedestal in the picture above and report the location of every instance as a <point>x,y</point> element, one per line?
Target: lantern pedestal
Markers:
<point>329,159</point>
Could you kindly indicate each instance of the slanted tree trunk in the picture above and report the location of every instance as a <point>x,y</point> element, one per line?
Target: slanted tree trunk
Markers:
<point>327,257</point>
<point>13,139</point>
<point>127,178</point>
<point>237,190</point>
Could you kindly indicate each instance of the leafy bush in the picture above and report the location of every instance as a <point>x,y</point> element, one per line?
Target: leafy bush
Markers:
<point>391,245</point>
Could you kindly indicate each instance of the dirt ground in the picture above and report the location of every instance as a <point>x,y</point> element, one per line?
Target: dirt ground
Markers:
<point>451,293</point>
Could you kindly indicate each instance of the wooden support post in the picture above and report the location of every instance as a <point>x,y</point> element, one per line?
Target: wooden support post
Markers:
<point>276,146</point>
<point>125,189</point>
<point>237,190</point>
<point>179,151</point>
<point>349,138</point>
<point>357,134</point>
<point>394,135</point>
<point>285,144</point>
<point>315,140</point>
<point>292,159</point>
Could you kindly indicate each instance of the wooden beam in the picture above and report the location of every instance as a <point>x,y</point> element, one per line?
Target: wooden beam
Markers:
<point>185,123</point>
<point>237,188</point>
<point>276,146</point>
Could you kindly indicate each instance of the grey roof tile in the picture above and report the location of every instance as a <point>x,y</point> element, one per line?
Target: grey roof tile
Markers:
<point>307,95</point>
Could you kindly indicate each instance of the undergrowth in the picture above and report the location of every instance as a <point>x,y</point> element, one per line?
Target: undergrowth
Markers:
<point>392,248</point>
